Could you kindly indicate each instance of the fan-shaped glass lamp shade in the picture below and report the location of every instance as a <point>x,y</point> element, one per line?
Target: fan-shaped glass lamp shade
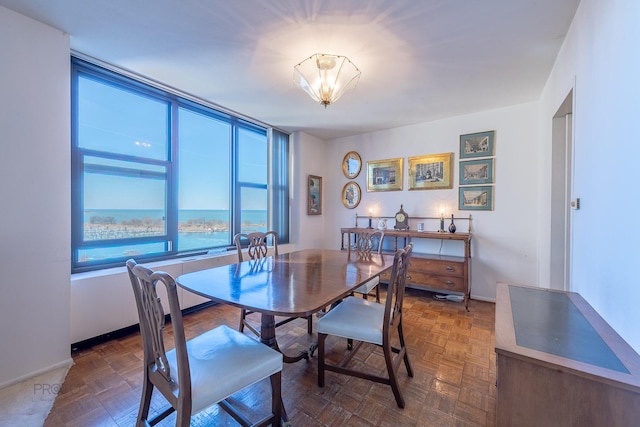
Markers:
<point>326,77</point>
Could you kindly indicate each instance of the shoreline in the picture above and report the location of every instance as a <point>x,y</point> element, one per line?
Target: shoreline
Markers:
<point>94,231</point>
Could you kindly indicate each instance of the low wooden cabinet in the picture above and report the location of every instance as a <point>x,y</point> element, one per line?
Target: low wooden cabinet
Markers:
<point>560,364</point>
<point>450,274</point>
<point>441,272</point>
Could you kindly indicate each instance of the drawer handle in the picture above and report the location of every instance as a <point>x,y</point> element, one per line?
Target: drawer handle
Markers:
<point>450,268</point>
<point>450,283</point>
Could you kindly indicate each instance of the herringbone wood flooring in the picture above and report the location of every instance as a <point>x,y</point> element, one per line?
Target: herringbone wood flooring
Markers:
<point>451,352</point>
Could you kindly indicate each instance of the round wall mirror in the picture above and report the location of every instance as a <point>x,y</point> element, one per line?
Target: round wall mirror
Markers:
<point>351,164</point>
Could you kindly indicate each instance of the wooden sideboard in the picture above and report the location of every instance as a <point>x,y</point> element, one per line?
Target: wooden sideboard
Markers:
<point>560,364</point>
<point>450,274</point>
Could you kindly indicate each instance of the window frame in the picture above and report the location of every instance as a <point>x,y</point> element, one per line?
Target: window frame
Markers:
<point>277,218</point>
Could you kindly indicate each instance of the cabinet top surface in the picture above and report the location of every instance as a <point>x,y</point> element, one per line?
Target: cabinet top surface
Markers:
<point>550,322</point>
<point>414,233</point>
<point>560,328</point>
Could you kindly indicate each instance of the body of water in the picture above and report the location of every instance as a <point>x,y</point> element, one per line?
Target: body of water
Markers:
<point>120,215</point>
<point>197,230</point>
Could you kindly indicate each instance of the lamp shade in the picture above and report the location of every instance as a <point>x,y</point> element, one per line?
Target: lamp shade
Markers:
<point>326,77</point>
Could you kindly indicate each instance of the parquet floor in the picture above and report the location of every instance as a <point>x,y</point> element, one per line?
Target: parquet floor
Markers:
<point>451,352</point>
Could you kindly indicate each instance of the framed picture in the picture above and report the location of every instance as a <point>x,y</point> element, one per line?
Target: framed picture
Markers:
<point>314,195</point>
<point>478,198</point>
<point>351,195</point>
<point>477,144</point>
<point>476,172</point>
<point>384,175</point>
<point>432,172</point>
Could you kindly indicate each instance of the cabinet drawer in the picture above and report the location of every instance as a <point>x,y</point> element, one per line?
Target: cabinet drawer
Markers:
<point>436,266</point>
<point>455,284</point>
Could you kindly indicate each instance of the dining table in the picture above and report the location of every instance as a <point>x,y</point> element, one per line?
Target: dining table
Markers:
<point>294,284</point>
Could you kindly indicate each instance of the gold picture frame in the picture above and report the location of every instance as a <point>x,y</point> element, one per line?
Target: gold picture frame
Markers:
<point>431,172</point>
<point>351,195</point>
<point>351,164</point>
<point>384,175</point>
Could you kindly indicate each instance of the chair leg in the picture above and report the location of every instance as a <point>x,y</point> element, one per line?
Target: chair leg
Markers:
<point>378,293</point>
<point>183,418</point>
<point>393,380</point>
<point>243,315</point>
<point>321,339</point>
<point>145,402</point>
<point>276,399</point>
<point>403,347</point>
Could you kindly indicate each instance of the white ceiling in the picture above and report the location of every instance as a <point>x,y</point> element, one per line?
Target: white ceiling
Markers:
<point>421,60</point>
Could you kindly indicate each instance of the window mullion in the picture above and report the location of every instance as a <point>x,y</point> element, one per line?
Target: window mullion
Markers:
<point>172,184</point>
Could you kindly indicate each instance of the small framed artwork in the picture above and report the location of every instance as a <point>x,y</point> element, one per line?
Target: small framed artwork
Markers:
<point>476,172</point>
<point>384,175</point>
<point>432,172</point>
<point>477,144</point>
<point>314,195</point>
<point>478,198</point>
<point>351,195</point>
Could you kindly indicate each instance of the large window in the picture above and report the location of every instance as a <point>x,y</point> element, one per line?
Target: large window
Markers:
<point>156,175</point>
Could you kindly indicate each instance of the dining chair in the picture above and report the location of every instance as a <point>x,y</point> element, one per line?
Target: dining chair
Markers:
<point>368,242</point>
<point>366,321</point>
<point>203,371</point>
<point>259,246</point>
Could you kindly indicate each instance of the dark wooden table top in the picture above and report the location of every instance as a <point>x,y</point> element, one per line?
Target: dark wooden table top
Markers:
<point>294,284</point>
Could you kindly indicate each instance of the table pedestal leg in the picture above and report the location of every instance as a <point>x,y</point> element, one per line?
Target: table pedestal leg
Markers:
<point>268,337</point>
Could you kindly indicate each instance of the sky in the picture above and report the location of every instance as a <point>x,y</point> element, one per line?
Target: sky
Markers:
<point>116,120</point>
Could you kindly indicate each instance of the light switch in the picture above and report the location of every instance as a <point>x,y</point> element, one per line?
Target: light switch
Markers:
<point>575,203</point>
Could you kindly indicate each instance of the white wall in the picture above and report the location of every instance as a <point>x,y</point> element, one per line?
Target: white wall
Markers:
<point>600,58</point>
<point>35,193</point>
<point>309,153</point>
<point>504,245</point>
<point>102,301</point>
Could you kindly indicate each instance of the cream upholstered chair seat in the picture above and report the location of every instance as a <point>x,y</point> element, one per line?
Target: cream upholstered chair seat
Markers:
<point>223,361</point>
<point>355,318</point>
<point>368,287</point>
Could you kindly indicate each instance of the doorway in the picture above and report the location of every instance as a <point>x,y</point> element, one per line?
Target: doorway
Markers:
<point>561,191</point>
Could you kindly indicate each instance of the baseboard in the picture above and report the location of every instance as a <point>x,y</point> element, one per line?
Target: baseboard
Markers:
<point>62,364</point>
<point>479,298</point>
<point>100,339</point>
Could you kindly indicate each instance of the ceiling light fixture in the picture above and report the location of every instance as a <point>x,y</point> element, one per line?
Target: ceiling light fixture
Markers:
<point>326,77</point>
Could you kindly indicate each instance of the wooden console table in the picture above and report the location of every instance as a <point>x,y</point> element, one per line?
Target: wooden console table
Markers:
<point>560,364</point>
<point>448,273</point>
